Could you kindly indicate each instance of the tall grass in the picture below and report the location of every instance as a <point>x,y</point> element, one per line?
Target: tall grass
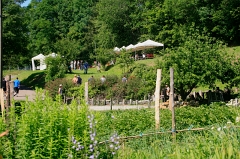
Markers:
<point>44,128</point>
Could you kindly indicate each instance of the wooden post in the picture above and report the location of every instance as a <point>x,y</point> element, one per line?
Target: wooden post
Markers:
<point>157,97</point>
<point>172,103</point>
<point>111,103</point>
<point>11,91</point>
<point>92,101</point>
<point>86,92</point>
<point>2,102</point>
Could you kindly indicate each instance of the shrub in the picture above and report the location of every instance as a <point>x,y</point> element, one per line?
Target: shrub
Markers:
<point>52,86</point>
<point>55,68</point>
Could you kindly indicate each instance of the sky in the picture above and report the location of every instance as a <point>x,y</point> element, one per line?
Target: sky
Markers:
<point>26,3</point>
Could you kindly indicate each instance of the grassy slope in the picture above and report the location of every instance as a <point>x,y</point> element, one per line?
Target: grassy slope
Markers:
<point>36,78</point>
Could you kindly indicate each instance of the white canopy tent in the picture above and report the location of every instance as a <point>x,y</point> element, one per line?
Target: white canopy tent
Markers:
<point>146,45</point>
<point>40,57</point>
<point>140,46</point>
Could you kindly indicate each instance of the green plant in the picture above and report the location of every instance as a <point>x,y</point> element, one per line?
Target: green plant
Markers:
<point>55,68</point>
<point>52,86</point>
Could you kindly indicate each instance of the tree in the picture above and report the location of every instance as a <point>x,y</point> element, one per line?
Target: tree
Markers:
<point>197,61</point>
<point>15,37</point>
<point>104,56</point>
<point>67,49</point>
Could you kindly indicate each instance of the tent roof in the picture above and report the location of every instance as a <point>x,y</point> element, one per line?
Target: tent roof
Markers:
<point>140,46</point>
<point>38,57</point>
<point>52,55</point>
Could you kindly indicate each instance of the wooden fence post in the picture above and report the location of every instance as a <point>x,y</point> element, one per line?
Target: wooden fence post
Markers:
<point>111,104</point>
<point>2,102</point>
<point>157,97</point>
<point>172,103</point>
<point>86,92</point>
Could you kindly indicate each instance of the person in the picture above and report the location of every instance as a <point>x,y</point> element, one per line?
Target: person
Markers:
<point>75,79</point>
<point>70,68</point>
<point>103,79</point>
<point>144,56</point>
<point>85,67</point>
<point>60,90</point>
<point>99,67</point>
<point>168,90</point>
<point>90,79</point>
<point>165,93</point>
<point>16,84</point>
<point>79,80</point>
<point>124,79</point>
<point>4,85</point>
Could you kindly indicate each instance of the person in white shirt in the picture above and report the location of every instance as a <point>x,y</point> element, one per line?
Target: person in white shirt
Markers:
<point>103,79</point>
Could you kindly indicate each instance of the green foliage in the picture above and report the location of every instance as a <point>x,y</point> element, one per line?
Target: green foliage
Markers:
<point>14,37</point>
<point>68,49</point>
<point>55,68</point>
<point>104,56</point>
<point>125,60</point>
<point>44,129</point>
<point>197,61</point>
<point>67,86</point>
<point>134,88</point>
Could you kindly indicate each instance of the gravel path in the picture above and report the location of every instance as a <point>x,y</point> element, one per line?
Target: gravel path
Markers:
<point>25,93</point>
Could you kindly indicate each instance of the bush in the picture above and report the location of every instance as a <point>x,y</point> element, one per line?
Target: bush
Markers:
<point>134,88</point>
<point>52,86</point>
<point>55,68</point>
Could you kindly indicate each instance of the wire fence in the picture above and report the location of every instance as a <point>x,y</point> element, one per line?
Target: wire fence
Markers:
<point>166,132</point>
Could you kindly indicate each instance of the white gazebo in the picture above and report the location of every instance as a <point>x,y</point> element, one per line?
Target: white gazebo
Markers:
<point>41,58</point>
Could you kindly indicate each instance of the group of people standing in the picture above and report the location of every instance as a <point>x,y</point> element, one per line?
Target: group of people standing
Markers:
<point>78,64</point>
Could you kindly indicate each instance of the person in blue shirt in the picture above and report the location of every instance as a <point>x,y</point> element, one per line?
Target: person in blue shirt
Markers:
<point>85,67</point>
<point>16,84</point>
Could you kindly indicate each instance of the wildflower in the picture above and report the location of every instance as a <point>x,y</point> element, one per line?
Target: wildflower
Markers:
<point>112,117</point>
<point>219,129</point>
<point>91,157</point>
<point>70,156</point>
<point>237,119</point>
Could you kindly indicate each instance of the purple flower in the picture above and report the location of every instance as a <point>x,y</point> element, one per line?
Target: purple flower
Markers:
<point>91,157</point>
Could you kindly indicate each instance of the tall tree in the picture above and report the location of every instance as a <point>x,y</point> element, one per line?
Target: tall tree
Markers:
<point>15,37</point>
<point>54,20</point>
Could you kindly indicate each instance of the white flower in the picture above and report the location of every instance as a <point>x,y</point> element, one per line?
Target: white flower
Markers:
<point>219,129</point>
<point>237,119</point>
